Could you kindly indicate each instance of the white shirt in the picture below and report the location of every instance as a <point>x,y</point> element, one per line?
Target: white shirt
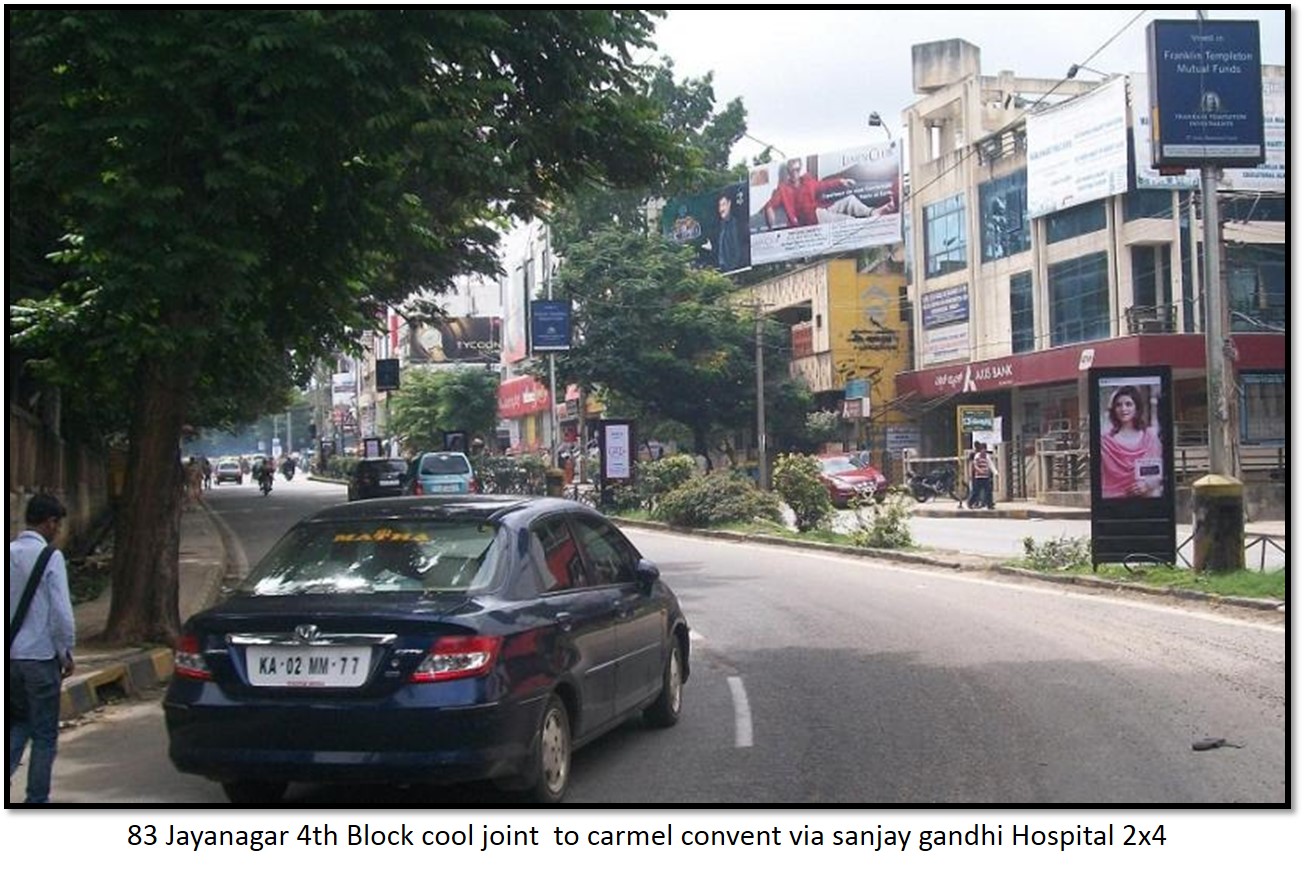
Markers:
<point>48,630</point>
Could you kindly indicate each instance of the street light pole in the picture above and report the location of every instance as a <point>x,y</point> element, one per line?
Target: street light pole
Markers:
<point>762,463</point>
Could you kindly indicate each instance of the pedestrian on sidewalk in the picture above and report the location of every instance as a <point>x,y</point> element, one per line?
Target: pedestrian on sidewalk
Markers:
<point>980,474</point>
<point>40,636</point>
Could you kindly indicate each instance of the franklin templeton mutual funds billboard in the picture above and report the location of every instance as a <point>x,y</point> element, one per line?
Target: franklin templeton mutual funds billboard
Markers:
<point>809,206</point>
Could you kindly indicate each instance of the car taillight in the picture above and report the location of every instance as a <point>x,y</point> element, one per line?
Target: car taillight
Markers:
<point>475,485</point>
<point>188,660</point>
<point>417,489</point>
<point>458,657</point>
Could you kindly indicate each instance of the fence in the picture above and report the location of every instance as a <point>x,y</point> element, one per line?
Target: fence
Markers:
<point>40,461</point>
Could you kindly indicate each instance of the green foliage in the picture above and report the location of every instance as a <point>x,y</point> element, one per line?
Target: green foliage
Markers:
<point>822,426</point>
<point>1058,554</point>
<point>656,478</point>
<point>887,524</point>
<point>435,401</point>
<point>510,474</point>
<point>716,499</point>
<point>796,480</point>
<point>341,466</point>
<point>660,332</point>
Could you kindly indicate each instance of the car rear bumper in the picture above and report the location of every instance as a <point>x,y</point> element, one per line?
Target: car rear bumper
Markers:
<point>368,741</point>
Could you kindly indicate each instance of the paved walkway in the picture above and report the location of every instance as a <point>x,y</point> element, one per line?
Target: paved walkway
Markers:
<point>105,672</point>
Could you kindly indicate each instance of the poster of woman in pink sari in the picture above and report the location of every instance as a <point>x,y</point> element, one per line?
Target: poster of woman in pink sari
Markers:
<point>1131,450</point>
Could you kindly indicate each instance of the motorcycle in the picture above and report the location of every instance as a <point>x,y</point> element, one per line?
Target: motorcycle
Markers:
<point>924,486</point>
<point>288,471</point>
<point>265,483</point>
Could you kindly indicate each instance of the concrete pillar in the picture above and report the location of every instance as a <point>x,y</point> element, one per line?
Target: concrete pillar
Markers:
<point>1218,507</point>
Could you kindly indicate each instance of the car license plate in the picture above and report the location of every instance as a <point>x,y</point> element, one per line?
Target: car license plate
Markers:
<point>307,666</point>
<point>448,488</point>
<point>389,482</point>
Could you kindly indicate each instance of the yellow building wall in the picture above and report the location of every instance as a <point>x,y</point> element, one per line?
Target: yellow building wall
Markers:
<point>867,338</point>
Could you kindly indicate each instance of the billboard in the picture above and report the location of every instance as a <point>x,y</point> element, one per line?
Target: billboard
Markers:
<point>1077,151</point>
<point>823,204</point>
<point>550,325</point>
<point>457,340</point>
<point>1266,178</point>
<point>1206,93</point>
<point>1133,493</point>
<point>714,224</point>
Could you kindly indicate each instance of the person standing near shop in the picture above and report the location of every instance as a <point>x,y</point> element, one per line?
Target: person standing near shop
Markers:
<point>40,636</point>
<point>980,474</point>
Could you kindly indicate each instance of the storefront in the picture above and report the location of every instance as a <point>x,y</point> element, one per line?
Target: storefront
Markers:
<point>1039,397</point>
<point>523,407</point>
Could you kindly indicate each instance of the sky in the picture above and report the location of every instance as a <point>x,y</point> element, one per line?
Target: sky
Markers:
<point>810,78</point>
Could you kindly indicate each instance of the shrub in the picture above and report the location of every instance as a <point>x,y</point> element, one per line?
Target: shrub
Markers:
<point>508,474</point>
<point>1058,554</point>
<point>659,477</point>
<point>341,466</point>
<point>712,500</point>
<point>888,523</point>
<point>796,480</point>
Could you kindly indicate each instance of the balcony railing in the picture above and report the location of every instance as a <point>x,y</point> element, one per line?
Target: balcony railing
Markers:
<point>1151,319</point>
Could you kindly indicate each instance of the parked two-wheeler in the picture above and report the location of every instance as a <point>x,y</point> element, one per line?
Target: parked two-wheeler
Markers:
<point>928,484</point>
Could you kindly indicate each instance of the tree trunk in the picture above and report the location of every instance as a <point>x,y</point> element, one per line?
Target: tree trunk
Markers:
<point>147,538</point>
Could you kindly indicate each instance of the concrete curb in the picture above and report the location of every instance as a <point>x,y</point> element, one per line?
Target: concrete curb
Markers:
<point>971,563</point>
<point>125,678</point>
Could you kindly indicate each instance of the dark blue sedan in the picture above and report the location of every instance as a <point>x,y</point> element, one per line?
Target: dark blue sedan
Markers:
<point>427,639</point>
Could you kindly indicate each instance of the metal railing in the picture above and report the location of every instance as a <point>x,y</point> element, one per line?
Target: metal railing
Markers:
<point>1150,319</point>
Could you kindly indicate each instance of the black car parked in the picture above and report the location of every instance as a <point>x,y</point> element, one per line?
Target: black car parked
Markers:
<point>427,639</point>
<point>384,477</point>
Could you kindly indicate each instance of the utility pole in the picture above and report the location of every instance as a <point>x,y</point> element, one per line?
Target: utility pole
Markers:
<point>762,464</point>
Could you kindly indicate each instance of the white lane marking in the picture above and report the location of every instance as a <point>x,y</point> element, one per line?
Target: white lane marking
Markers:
<point>742,713</point>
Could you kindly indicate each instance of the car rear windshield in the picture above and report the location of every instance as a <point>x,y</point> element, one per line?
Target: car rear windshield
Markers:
<point>383,467</point>
<point>376,557</point>
<point>444,464</point>
<point>838,464</point>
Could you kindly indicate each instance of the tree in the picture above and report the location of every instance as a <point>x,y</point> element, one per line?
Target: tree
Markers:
<point>437,401</point>
<point>687,108</point>
<point>231,195</point>
<point>657,331</point>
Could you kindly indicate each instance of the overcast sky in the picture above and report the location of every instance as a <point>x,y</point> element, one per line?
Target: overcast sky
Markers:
<point>810,78</point>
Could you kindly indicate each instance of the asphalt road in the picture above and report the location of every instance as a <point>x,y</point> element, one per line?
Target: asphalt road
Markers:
<point>827,679</point>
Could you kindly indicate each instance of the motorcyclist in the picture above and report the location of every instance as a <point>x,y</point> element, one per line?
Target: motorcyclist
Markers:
<point>264,472</point>
<point>287,467</point>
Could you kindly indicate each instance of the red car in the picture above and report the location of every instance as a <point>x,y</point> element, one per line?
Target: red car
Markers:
<point>844,479</point>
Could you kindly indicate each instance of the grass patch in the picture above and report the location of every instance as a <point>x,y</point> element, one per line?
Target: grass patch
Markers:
<point>1244,582</point>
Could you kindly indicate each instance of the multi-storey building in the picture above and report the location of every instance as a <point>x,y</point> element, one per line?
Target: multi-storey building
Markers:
<point>1012,305</point>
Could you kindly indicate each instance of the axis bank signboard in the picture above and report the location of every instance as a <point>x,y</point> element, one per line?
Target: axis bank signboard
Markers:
<point>1077,151</point>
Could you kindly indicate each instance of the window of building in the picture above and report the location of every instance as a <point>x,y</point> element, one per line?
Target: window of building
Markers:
<point>1252,207</point>
<point>1079,299</point>
<point>1263,407</point>
<point>944,237</point>
<point>1075,221</point>
<point>1148,203</point>
<point>1256,288</point>
<point>1004,212</point>
<point>1023,336</point>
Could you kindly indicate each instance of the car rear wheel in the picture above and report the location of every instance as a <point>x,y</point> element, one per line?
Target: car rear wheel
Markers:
<point>254,792</point>
<point>664,711</point>
<point>548,772</point>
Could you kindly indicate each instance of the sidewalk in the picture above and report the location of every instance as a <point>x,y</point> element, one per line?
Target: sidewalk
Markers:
<point>1027,509</point>
<point>107,672</point>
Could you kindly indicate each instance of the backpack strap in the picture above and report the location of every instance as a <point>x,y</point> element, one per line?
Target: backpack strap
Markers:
<point>24,605</point>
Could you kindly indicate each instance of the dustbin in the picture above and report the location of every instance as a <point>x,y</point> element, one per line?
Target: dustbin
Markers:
<point>554,482</point>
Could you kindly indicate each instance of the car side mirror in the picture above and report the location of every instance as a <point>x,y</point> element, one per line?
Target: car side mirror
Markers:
<point>647,574</point>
